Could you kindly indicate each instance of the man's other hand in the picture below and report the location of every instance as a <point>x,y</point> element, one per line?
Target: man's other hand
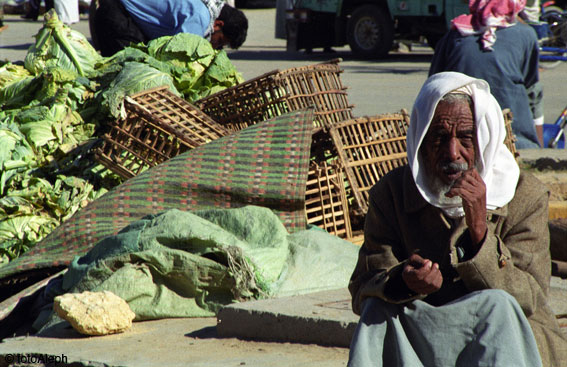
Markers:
<point>422,275</point>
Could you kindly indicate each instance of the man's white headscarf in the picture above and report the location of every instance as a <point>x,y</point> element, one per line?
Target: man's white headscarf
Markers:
<point>495,162</point>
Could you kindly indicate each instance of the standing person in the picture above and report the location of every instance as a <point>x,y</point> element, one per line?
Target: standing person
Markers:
<point>282,6</point>
<point>33,9</point>
<point>114,24</point>
<point>2,26</point>
<point>67,11</point>
<point>490,44</point>
<point>455,267</point>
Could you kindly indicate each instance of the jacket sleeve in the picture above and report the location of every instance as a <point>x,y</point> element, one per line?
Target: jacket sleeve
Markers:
<point>535,96</point>
<point>517,260</point>
<point>533,86</point>
<point>380,260</point>
<point>531,58</point>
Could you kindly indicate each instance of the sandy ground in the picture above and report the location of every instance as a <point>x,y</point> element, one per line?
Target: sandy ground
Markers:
<point>171,342</point>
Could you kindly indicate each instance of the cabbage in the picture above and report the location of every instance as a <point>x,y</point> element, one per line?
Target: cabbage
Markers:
<point>219,75</point>
<point>185,62</point>
<point>59,46</point>
<point>133,78</point>
<point>51,108</point>
<point>10,73</point>
<point>197,69</point>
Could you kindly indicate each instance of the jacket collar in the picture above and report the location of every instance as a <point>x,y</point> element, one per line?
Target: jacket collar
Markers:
<point>413,201</point>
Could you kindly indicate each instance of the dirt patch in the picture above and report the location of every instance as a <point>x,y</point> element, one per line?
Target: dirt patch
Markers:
<point>556,182</point>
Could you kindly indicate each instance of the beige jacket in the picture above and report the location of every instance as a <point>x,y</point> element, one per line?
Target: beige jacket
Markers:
<point>515,256</point>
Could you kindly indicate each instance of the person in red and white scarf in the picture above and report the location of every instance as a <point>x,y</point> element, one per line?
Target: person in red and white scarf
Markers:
<point>486,16</point>
<point>490,44</point>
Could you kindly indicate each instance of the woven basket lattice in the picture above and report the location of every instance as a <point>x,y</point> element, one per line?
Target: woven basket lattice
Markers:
<point>326,203</point>
<point>159,125</point>
<point>278,92</point>
<point>370,147</point>
<point>510,137</point>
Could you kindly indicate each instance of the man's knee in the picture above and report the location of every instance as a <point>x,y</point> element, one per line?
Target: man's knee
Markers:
<point>497,298</point>
<point>496,306</point>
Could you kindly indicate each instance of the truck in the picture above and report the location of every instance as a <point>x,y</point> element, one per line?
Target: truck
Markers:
<point>369,27</point>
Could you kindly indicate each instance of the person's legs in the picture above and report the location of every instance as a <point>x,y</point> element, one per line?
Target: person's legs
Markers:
<point>67,10</point>
<point>93,7</point>
<point>502,334</point>
<point>380,339</point>
<point>33,10</point>
<point>485,328</point>
<point>2,26</point>
<point>112,28</point>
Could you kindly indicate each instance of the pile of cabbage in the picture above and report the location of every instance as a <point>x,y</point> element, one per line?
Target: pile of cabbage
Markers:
<point>53,106</point>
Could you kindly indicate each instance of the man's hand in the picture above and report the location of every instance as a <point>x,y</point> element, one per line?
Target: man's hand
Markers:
<point>472,190</point>
<point>422,275</point>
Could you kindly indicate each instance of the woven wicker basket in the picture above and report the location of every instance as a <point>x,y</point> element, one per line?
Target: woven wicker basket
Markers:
<point>159,125</point>
<point>370,147</point>
<point>326,204</point>
<point>510,137</point>
<point>278,92</point>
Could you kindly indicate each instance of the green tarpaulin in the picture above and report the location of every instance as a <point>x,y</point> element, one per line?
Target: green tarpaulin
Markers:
<point>188,264</point>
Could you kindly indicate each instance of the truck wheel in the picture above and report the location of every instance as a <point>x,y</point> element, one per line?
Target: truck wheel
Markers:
<point>370,31</point>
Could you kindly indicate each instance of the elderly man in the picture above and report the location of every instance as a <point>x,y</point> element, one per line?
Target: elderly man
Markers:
<point>455,265</point>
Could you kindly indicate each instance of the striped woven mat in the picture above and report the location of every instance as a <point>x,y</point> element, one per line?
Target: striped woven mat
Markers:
<point>265,165</point>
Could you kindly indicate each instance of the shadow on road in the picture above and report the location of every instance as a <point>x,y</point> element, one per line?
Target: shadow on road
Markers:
<point>21,46</point>
<point>278,53</point>
<point>396,63</point>
<point>375,68</point>
<point>209,332</point>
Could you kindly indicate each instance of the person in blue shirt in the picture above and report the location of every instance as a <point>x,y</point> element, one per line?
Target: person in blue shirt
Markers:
<point>115,24</point>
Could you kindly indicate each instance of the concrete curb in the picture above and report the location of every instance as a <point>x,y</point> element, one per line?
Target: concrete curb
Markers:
<point>323,318</point>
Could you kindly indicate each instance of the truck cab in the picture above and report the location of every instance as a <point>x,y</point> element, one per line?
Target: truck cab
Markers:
<point>369,27</point>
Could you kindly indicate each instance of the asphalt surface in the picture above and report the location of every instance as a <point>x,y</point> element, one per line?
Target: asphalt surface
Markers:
<point>375,86</point>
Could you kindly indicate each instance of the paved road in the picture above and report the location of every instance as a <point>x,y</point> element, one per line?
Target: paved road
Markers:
<point>375,86</point>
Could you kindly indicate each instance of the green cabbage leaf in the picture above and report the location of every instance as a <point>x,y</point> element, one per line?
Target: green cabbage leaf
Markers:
<point>57,45</point>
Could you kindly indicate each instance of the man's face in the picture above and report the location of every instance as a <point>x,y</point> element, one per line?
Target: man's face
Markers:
<point>449,146</point>
<point>218,39</point>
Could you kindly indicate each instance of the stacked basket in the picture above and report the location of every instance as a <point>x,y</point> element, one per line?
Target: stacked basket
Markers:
<point>348,156</point>
<point>158,126</point>
<point>326,203</point>
<point>368,148</point>
<point>510,137</point>
<point>278,92</point>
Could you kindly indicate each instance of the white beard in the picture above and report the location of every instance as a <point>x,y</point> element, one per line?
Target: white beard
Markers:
<point>438,188</point>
